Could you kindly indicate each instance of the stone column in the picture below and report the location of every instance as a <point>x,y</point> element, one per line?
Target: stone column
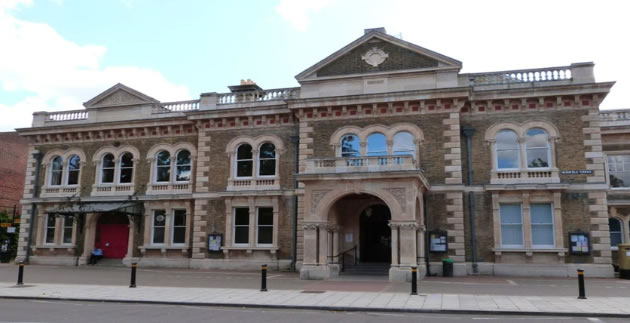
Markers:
<point>452,150</point>
<point>310,243</point>
<point>323,244</point>
<point>394,228</point>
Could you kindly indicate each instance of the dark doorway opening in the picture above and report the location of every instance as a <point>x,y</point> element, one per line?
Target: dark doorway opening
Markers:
<point>375,234</point>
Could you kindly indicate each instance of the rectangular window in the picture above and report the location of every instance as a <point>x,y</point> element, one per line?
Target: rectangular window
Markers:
<point>619,170</point>
<point>511,225</point>
<point>241,226</point>
<point>51,222</point>
<point>264,224</point>
<point>68,223</point>
<point>179,227</point>
<point>159,226</point>
<point>542,225</point>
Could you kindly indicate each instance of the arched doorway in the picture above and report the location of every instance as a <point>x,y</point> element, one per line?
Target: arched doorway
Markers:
<point>112,235</point>
<point>375,235</point>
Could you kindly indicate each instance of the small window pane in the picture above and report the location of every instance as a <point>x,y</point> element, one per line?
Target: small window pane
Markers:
<point>107,169</point>
<point>74,163</point>
<point>507,150</point>
<point>126,160</point>
<point>376,145</point>
<point>241,216</point>
<point>267,150</point>
<point>159,223</point>
<point>126,168</point>
<point>265,226</point>
<point>51,222</point>
<point>537,157</point>
<point>619,170</point>
<point>265,235</point>
<point>56,170</point>
<point>241,225</point>
<point>163,174</point>
<point>164,158</point>
<point>507,159</point>
<point>265,216</point>
<point>616,234</point>
<point>268,167</point>
<point>244,152</point>
<point>126,175</point>
<point>108,160</point>
<point>183,173</point>
<point>541,213</point>
<point>183,157</point>
<point>68,222</point>
<point>542,224</point>
<point>179,226</point>
<point>506,139</point>
<point>73,177</point>
<point>244,168</point>
<point>350,146</point>
<point>542,235</point>
<point>404,144</point>
<point>511,213</point>
<point>537,144</point>
<point>511,225</point>
<point>241,235</point>
<point>179,235</point>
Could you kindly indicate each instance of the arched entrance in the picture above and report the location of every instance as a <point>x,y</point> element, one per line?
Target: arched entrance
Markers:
<point>112,235</point>
<point>375,235</point>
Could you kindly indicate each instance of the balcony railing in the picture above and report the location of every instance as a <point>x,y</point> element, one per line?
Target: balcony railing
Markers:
<point>179,106</point>
<point>360,164</point>
<point>257,96</point>
<point>525,176</point>
<point>253,184</point>
<point>66,115</point>
<point>522,76</point>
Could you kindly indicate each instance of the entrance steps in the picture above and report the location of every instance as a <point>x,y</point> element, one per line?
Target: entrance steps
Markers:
<point>367,269</point>
<point>110,263</point>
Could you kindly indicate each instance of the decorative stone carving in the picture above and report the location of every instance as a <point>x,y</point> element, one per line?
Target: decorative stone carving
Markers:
<point>120,97</point>
<point>400,196</point>
<point>375,56</point>
<point>405,225</point>
<point>317,196</point>
<point>315,225</point>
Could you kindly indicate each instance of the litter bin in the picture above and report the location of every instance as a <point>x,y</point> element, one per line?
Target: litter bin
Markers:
<point>447,267</point>
<point>624,260</point>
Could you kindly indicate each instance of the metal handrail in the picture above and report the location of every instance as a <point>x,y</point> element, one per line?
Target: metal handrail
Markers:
<point>343,256</point>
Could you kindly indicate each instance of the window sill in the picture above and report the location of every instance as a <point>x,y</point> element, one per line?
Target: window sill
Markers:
<point>253,184</point>
<point>169,188</point>
<point>112,190</point>
<point>163,249</point>
<point>52,247</point>
<point>525,176</point>
<point>249,249</point>
<point>59,191</point>
<point>530,251</point>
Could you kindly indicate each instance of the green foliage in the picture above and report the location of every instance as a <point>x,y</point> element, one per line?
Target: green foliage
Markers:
<point>12,238</point>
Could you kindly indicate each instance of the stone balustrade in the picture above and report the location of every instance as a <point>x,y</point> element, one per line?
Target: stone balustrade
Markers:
<point>180,106</point>
<point>253,184</point>
<point>360,164</point>
<point>522,76</point>
<point>525,176</point>
<point>257,96</point>
<point>66,115</point>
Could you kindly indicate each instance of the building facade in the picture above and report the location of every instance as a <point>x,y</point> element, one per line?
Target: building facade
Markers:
<point>386,153</point>
<point>13,154</point>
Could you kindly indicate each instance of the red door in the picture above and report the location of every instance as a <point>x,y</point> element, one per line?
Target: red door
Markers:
<point>113,240</point>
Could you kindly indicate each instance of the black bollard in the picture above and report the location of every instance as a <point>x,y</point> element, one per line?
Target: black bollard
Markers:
<point>580,273</point>
<point>20,281</point>
<point>133,275</point>
<point>263,278</point>
<point>414,280</point>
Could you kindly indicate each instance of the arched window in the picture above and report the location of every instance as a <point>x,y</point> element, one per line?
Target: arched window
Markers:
<point>126,168</point>
<point>537,144</point>
<point>404,144</point>
<point>244,161</point>
<point>56,171</point>
<point>183,167</point>
<point>107,169</point>
<point>350,146</point>
<point>73,170</point>
<point>376,144</point>
<point>163,166</point>
<point>267,159</point>
<point>507,150</point>
<point>616,233</point>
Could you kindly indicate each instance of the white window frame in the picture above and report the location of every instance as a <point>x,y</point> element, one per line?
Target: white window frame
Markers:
<point>101,168</point>
<point>509,246</point>
<point>153,214</point>
<point>519,158</point>
<point>46,227</point>
<point>553,227</point>
<point>234,225</point>
<point>50,176</point>
<point>367,145</point>
<point>236,160</point>
<point>273,224</point>
<point>621,232</point>
<point>66,176</point>
<point>394,144</point>
<point>119,168</point>
<point>175,165</point>
<point>63,230</point>
<point>258,159</point>
<point>156,167</point>
<point>172,229</point>
<point>548,149</point>
<point>616,153</point>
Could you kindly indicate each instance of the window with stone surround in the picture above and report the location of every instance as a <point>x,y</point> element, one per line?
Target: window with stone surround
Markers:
<point>523,153</point>
<point>241,226</point>
<point>511,226</point>
<point>619,171</point>
<point>51,227</point>
<point>178,229</point>
<point>254,162</point>
<point>158,227</point>
<point>172,167</point>
<point>63,172</point>
<point>115,170</point>
<point>350,146</point>
<point>168,226</point>
<point>264,226</point>
<point>616,232</point>
<point>68,229</point>
<point>108,167</point>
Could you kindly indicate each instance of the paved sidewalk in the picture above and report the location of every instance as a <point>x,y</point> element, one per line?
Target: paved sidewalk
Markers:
<point>328,300</point>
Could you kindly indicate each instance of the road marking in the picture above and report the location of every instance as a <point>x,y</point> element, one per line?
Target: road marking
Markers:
<point>511,282</point>
<point>594,319</point>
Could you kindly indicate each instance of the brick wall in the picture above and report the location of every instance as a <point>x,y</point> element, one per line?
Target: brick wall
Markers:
<point>13,156</point>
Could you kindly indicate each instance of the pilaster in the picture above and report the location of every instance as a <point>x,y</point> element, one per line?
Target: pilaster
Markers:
<point>452,150</point>
<point>455,220</point>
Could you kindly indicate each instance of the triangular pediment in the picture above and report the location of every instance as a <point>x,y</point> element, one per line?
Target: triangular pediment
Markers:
<point>119,95</point>
<point>378,53</point>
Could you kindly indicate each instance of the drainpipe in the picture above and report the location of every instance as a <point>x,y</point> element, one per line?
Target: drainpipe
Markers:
<point>425,200</point>
<point>296,143</point>
<point>468,133</point>
<point>38,165</point>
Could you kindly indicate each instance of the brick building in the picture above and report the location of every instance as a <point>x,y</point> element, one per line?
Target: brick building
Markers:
<point>385,154</point>
<point>13,154</point>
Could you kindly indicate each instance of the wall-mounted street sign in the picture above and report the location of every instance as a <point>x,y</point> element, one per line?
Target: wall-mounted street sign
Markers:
<point>5,224</point>
<point>576,172</point>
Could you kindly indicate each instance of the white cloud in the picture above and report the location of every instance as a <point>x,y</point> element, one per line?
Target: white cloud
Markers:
<point>59,74</point>
<point>299,12</point>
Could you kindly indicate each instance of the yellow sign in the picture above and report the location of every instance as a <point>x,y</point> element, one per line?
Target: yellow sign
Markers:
<point>5,225</point>
<point>17,220</point>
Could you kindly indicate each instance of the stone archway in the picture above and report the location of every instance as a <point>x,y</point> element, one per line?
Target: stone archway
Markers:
<point>94,228</point>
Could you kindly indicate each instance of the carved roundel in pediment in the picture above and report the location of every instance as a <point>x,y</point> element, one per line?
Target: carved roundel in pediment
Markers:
<point>375,56</point>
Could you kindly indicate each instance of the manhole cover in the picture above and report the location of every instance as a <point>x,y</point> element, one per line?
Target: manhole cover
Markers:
<point>313,291</point>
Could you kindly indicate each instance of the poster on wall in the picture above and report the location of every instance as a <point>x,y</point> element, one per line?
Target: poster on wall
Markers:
<point>579,243</point>
<point>438,241</point>
<point>214,242</point>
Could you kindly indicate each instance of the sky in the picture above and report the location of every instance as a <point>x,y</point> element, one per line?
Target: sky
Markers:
<point>57,54</point>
